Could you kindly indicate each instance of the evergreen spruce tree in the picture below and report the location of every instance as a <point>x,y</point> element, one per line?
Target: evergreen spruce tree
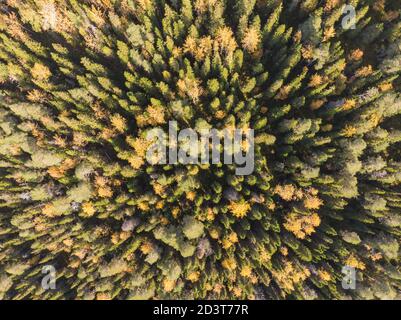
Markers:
<point>81,84</point>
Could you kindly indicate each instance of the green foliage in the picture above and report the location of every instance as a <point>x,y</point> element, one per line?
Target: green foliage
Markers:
<point>83,82</point>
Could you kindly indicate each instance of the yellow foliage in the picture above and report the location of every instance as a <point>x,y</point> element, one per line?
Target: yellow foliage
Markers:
<point>364,71</point>
<point>317,104</point>
<point>284,251</point>
<point>191,88</point>
<point>307,52</point>
<point>226,40</point>
<point>118,122</point>
<point>387,86</point>
<point>160,204</point>
<point>190,195</point>
<point>229,264</point>
<point>97,16</point>
<point>198,48</point>
<point>214,233</point>
<point>190,45</point>
<point>193,276</point>
<point>107,133</point>
<point>348,105</point>
<point>88,209</point>
<point>49,210</point>
<point>201,6</point>
<point>175,212</point>
<point>159,189</point>
<point>14,27</point>
<point>349,130</point>
<point>217,288</point>
<point>101,181</point>
<point>105,192</point>
<point>80,253</point>
<point>143,206</point>
<point>100,113</point>
<point>315,81</point>
<point>36,96</point>
<point>331,4</point>
<point>78,139</point>
<point>356,55</point>
<point>233,237</point>
<point>208,287</point>
<point>353,261</point>
<point>135,161</point>
<point>302,225</point>
<point>60,141</point>
<point>220,114</point>
<point>40,72</point>
<point>312,202</point>
<point>324,275</point>
<point>329,33</point>
<point>115,238</point>
<point>376,256</point>
<point>254,279</point>
<point>40,223</point>
<point>56,172</point>
<point>164,221</point>
<point>205,47</point>
<point>286,192</point>
<point>74,262</point>
<point>168,285</point>
<point>239,209</point>
<point>375,119</point>
<point>264,255</point>
<point>283,93</point>
<point>290,275</point>
<point>246,271</point>
<point>226,244</point>
<point>15,149</point>
<point>154,115</point>
<point>237,291</point>
<point>145,4</point>
<point>251,40</point>
<point>103,296</point>
<point>146,247</point>
<point>177,52</point>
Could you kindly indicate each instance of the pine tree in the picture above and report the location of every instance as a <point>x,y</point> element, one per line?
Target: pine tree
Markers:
<point>83,82</point>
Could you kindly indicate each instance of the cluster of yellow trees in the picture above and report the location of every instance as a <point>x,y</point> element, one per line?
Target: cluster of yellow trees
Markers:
<point>83,82</point>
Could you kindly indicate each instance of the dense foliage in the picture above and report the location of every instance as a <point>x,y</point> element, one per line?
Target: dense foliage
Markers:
<point>82,81</point>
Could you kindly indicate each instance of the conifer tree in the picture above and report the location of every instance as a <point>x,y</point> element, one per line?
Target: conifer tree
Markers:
<point>83,82</point>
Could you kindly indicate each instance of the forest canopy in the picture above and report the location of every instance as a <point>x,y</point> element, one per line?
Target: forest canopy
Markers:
<point>83,81</point>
